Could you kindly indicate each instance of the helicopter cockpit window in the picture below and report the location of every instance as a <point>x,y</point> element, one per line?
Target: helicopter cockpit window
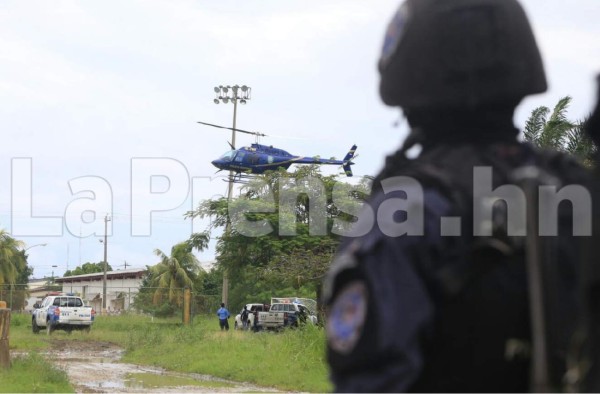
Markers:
<point>228,155</point>
<point>240,156</point>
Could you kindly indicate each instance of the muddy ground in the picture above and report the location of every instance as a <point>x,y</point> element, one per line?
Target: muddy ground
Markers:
<point>95,367</point>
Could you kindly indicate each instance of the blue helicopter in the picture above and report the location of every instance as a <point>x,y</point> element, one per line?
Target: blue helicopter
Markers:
<point>257,158</point>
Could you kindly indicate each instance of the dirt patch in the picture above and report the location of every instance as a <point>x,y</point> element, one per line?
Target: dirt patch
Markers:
<point>94,367</point>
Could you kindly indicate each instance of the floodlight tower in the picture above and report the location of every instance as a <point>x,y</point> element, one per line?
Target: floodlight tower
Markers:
<point>231,94</point>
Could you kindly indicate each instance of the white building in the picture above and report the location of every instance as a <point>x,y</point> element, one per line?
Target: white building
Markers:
<point>37,290</point>
<point>121,287</point>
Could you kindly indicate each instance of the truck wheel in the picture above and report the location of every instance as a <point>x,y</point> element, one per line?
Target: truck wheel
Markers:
<point>34,327</point>
<point>87,329</point>
<point>49,327</point>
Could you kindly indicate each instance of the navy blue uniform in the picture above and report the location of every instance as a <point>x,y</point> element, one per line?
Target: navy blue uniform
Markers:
<point>432,312</point>
<point>446,306</point>
<point>375,275</point>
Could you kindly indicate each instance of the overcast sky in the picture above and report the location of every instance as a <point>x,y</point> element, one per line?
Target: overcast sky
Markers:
<point>98,97</point>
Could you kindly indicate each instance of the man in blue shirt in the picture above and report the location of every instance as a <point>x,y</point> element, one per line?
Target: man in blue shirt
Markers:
<point>223,314</point>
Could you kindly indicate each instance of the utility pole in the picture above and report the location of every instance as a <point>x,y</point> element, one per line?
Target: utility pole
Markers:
<point>106,220</point>
<point>234,94</point>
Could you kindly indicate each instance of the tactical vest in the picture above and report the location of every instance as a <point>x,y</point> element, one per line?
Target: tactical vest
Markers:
<point>481,339</point>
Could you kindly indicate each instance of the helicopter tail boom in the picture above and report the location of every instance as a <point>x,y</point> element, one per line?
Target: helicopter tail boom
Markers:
<point>347,162</point>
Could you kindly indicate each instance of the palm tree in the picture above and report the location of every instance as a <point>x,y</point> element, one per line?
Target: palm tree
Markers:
<point>10,258</point>
<point>552,130</point>
<point>174,272</point>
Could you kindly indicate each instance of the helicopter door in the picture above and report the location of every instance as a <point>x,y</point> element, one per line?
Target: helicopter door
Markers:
<point>253,159</point>
<point>239,157</point>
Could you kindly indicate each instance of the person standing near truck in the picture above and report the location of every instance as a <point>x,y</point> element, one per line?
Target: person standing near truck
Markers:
<point>244,317</point>
<point>223,314</point>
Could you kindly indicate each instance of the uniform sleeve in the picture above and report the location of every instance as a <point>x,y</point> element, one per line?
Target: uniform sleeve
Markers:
<point>380,311</point>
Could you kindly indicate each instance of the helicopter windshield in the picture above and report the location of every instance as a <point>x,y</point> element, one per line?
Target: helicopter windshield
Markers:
<point>228,156</point>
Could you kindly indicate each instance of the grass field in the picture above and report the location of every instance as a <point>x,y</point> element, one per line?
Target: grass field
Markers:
<point>30,372</point>
<point>288,360</point>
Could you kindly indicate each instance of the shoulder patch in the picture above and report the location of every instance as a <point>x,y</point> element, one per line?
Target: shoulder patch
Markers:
<point>347,317</point>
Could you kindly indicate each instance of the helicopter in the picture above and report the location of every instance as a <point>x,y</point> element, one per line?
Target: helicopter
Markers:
<point>258,158</point>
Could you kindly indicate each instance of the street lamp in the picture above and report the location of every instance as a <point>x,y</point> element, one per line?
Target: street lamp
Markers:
<point>231,94</point>
<point>33,246</point>
<point>52,281</point>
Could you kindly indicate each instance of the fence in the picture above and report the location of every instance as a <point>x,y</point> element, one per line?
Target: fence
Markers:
<point>15,296</point>
<point>119,299</point>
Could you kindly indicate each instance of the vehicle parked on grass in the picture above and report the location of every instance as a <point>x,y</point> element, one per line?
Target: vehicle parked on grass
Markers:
<point>253,310</point>
<point>288,312</point>
<point>62,312</point>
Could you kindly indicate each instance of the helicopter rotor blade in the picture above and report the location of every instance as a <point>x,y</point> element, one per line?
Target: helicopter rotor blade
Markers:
<point>231,128</point>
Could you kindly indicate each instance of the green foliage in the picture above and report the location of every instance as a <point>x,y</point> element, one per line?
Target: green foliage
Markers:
<point>235,354</point>
<point>280,234</point>
<point>12,258</point>
<point>265,358</point>
<point>173,273</point>
<point>144,301</point>
<point>88,268</point>
<point>31,373</point>
<point>14,271</point>
<point>161,292</point>
<point>199,241</point>
<point>20,334</point>
<point>212,281</point>
<point>552,130</point>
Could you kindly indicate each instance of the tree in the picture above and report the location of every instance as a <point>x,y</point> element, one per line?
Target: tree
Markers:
<point>24,271</point>
<point>199,241</point>
<point>173,273</point>
<point>552,130</point>
<point>11,258</point>
<point>88,268</point>
<point>284,230</point>
<point>14,270</point>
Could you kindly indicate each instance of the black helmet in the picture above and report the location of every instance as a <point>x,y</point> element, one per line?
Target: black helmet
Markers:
<point>459,54</point>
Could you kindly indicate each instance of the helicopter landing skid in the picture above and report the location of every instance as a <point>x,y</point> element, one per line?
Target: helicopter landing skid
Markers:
<point>240,178</point>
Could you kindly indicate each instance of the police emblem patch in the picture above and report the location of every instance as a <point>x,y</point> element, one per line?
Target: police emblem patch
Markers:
<point>347,317</point>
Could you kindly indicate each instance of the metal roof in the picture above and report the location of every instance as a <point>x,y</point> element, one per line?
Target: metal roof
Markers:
<point>120,274</point>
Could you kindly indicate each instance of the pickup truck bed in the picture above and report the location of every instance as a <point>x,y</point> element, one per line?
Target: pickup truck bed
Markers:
<point>288,314</point>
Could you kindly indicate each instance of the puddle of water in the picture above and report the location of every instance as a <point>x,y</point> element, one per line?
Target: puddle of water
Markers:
<point>95,367</point>
<point>153,381</point>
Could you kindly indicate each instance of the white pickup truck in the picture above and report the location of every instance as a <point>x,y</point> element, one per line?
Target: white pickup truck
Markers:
<point>288,312</point>
<point>253,310</point>
<point>64,312</point>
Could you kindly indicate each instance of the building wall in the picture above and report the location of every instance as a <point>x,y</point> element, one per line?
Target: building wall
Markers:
<point>119,292</point>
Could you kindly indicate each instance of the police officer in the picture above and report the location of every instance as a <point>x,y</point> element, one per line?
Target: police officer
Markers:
<point>223,315</point>
<point>422,296</point>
